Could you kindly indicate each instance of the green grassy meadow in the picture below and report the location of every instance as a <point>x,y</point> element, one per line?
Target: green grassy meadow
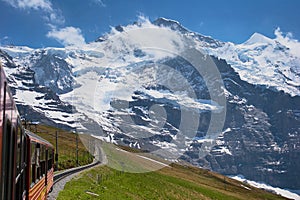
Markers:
<point>175,182</point>
<point>113,181</point>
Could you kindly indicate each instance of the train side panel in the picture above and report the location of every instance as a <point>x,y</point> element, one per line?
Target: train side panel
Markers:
<point>26,160</point>
<point>40,168</point>
<point>8,138</point>
<point>38,191</point>
<point>2,79</point>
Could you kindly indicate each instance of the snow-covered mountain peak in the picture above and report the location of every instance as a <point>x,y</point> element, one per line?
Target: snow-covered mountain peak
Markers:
<point>174,25</point>
<point>260,60</point>
<point>17,51</point>
<point>166,21</point>
<point>206,41</point>
<point>274,63</point>
<point>258,38</point>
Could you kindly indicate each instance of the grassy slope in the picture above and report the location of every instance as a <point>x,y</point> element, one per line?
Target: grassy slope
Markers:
<point>66,146</point>
<point>175,182</point>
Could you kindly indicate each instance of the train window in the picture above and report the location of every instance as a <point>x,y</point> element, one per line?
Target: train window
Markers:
<point>50,159</point>
<point>19,149</point>
<point>43,153</point>
<point>38,167</point>
<point>50,155</point>
<point>33,163</point>
<point>24,150</point>
<point>43,160</point>
<point>24,161</point>
<point>20,175</point>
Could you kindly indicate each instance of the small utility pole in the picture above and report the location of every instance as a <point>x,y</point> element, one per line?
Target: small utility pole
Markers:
<point>225,183</point>
<point>77,163</point>
<point>56,154</point>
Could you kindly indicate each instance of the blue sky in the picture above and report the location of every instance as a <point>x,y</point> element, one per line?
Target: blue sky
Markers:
<point>42,23</point>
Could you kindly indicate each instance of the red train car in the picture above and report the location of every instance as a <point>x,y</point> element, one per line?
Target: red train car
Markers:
<point>26,160</point>
<point>40,171</point>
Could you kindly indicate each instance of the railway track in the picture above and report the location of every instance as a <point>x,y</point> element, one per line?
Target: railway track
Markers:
<point>100,158</point>
<point>59,176</point>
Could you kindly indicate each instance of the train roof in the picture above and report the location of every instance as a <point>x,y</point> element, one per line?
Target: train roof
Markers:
<point>37,138</point>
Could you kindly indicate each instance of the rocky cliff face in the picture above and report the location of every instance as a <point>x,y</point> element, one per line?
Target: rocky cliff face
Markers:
<point>35,90</point>
<point>261,138</point>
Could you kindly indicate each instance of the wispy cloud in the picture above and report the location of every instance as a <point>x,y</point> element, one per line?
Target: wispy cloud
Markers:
<point>100,3</point>
<point>68,36</point>
<point>288,40</point>
<point>31,4</point>
<point>54,19</point>
<point>51,15</point>
<point>4,40</point>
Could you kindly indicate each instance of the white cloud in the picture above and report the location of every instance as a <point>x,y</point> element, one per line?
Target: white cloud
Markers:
<point>100,3</point>
<point>4,40</point>
<point>31,4</point>
<point>54,19</point>
<point>288,40</point>
<point>52,16</point>
<point>68,36</point>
